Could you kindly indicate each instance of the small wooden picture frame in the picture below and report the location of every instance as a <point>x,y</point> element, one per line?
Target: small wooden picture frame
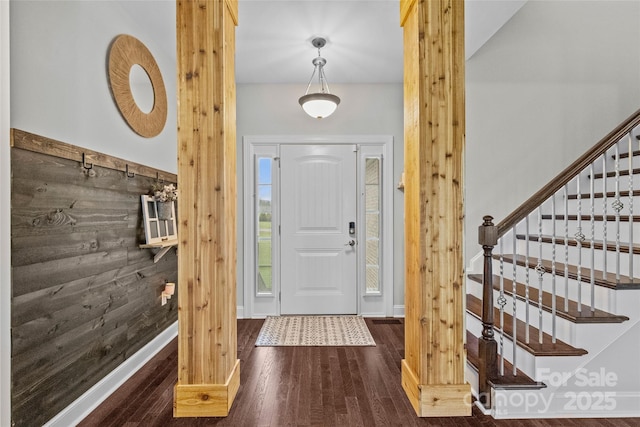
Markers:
<point>156,230</point>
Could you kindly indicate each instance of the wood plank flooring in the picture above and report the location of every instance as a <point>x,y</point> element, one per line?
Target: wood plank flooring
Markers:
<point>301,386</point>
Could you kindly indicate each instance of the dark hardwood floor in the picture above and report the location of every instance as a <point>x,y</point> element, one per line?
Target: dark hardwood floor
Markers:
<point>300,386</point>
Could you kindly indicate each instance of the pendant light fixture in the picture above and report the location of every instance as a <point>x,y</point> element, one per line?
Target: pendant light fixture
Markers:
<point>323,103</point>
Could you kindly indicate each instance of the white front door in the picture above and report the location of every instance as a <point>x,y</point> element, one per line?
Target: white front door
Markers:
<point>318,252</point>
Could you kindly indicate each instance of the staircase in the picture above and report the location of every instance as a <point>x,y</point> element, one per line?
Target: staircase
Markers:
<point>557,333</point>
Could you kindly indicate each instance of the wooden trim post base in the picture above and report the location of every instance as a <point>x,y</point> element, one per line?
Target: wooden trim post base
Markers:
<point>206,400</point>
<point>439,400</point>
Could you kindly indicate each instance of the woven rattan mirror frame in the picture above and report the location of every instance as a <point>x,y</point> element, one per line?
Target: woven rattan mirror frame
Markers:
<point>125,52</point>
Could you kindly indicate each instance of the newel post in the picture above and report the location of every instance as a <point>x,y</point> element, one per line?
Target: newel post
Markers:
<point>487,346</point>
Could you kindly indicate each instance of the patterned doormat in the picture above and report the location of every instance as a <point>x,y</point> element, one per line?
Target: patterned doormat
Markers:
<point>314,331</point>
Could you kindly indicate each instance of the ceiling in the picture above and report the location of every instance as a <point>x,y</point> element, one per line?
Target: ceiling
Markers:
<point>273,37</point>
<point>364,38</point>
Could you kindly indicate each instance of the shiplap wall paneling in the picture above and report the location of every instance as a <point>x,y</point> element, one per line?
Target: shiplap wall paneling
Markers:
<point>84,296</point>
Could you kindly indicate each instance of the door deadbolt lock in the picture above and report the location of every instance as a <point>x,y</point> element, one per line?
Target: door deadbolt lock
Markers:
<point>352,228</point>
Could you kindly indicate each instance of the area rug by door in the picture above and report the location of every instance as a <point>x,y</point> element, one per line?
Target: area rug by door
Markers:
<point>314,331</point>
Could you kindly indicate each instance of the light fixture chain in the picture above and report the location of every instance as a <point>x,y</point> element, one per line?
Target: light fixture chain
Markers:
<point>311,80</point>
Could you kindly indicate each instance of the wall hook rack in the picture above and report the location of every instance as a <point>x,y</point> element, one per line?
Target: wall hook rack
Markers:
<point>84,162</point>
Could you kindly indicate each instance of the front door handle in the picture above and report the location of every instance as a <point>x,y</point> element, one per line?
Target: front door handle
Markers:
<point>351,243</point>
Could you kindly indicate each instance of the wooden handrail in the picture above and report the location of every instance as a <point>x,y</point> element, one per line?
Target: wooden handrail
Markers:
<point>569,173</point>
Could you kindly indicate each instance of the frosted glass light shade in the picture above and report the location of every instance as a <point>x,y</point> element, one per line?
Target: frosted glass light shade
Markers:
<point>319,105</point>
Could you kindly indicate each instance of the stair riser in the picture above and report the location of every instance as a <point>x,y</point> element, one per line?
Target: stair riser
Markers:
<point>604,297</point>
<point>566,330</point>
<point>623,182</point>
<point>526,361</point>
<point>599,203</point>
<point>623,148</point>
<point>585,181</point>
<point>576,387</point>
<point>575,256</point>
<point>612,230</point>
<point>628,302</point>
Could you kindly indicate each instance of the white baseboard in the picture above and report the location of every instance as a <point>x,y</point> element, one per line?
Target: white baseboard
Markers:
<point>240,312</point>
<point>398,310</point>
<point>92,398</point>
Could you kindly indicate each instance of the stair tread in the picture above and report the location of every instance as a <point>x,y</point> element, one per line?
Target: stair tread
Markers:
<point>547,348</point>
<point>585,315</point>
<point>560,240</point>
<point>585,273</point>
<point>611,174</point>
<point>508,380</point>
<point>610,218</point>
<point>610,195</point>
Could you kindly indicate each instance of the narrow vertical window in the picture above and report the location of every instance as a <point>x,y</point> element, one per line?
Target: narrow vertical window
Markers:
<point>373,198</point>
<point>264,226</point>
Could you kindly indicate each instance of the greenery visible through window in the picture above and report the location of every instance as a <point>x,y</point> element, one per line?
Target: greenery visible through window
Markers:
<point>264,226</point>
<point>372,213</point>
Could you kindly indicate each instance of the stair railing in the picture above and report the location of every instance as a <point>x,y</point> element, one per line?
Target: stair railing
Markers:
<point>602,160</point>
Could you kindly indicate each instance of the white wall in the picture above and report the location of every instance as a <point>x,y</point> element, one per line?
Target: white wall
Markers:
<point>57,54</point>
<point>5,224</point>
<point>60,86</point>
<point>365,109</point>
<point>553,81</point>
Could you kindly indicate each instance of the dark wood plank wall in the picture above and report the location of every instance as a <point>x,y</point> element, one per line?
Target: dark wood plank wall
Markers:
<point>85,297</point>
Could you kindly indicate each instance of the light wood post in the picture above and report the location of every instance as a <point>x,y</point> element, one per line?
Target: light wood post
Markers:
<point>208,368</point>
<point>433,368</point>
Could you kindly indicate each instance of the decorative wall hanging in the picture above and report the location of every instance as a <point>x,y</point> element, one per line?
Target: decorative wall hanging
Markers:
<point>125,52</point>
<point>160,233</point>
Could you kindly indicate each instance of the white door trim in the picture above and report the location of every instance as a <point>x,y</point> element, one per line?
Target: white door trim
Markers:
<point>367,305</point>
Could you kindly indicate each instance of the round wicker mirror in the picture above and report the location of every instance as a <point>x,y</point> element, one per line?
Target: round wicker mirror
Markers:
<point>127,51</point>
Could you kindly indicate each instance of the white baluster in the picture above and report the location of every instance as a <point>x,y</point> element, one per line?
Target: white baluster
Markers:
<point>579,237</point>
<point>540,270</point>
<point>502,301</point>
<point>604,216</point>
<point>617,206</point>
<point>630,158</point>
<point>566,249</point>
<point>593,238</point>
<point>553,269</point>
<point>526,280</point>
<point>514,288</point>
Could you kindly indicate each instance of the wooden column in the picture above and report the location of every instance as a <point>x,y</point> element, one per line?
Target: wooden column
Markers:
<point>433,368</point>
<point>208,368</point>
